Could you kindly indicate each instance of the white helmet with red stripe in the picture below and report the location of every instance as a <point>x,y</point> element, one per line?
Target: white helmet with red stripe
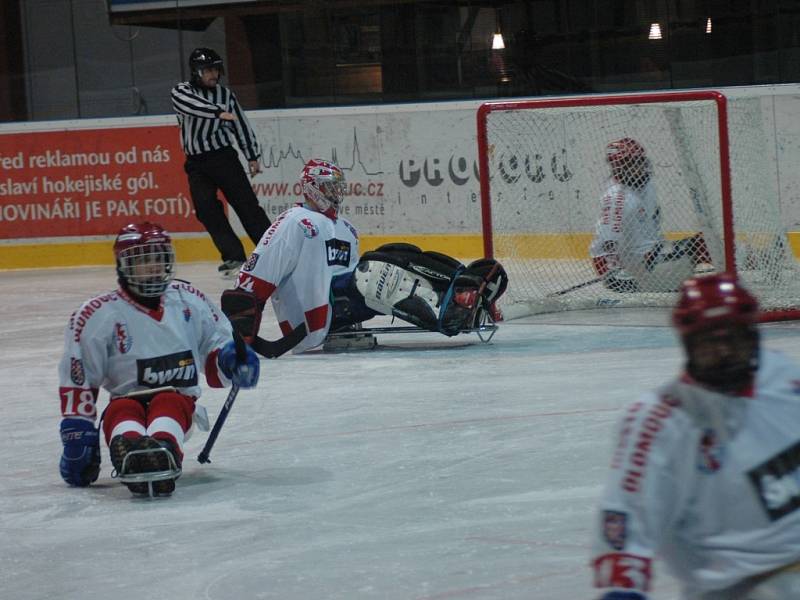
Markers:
<point>323,186</point>
<point>629,162</point>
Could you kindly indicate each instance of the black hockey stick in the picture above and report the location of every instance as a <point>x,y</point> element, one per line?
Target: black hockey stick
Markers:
<point>485,328</point>
<point>269,349</point>
<point>577,286</point>
<point>241,356</point>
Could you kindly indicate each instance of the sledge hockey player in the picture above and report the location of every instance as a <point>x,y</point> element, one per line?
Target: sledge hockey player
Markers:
<point>145,343</point>
<point>704,474</point>
<point>628,250</point>
<point>308,264</point>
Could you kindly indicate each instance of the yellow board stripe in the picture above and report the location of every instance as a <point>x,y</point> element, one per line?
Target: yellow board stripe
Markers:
<point>556,246</point>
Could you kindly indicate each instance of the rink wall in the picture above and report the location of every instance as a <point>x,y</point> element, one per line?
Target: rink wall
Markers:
<point>66,187</point>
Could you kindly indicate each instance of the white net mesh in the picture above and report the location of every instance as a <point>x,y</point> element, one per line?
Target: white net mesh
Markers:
<point>549,174</point>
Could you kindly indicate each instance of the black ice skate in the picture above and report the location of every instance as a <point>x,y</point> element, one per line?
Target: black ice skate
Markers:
<point>230,268</point>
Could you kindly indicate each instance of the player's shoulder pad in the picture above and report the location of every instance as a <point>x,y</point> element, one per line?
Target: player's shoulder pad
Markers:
<point>349,226</point>
<point>777,369</point>
<point>181,285</point>
<point>290,215</point>
<point>92,307</point>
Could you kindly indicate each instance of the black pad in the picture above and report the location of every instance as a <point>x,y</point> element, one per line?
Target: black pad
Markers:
<point>493,273</point>
<point>244,312</point>
<point>439,269</point>
<point>484,280</point>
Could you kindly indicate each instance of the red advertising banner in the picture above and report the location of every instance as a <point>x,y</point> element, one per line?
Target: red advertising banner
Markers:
<point>92,182</point>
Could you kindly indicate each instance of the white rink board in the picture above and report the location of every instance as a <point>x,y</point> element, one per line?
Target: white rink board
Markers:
<point>412,168</point>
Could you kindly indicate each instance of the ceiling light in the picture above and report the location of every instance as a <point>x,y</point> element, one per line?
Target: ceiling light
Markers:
<point>655,32</point>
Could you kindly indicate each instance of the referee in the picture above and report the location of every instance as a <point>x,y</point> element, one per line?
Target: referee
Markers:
<point>211,119</point>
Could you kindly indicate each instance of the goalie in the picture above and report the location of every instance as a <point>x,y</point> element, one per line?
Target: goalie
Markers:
<point>629,251</point>
<point>307,264</point>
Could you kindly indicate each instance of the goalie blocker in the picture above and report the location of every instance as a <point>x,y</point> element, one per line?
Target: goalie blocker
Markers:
<point>428,289</point>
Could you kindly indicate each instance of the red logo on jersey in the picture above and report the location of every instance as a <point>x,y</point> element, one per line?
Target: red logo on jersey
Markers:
<point>615,528</point>
<point>122,337</point>
<point>710,457</point>
<point>76,372</point>
<point>309,229</point>
<point>626,571</point>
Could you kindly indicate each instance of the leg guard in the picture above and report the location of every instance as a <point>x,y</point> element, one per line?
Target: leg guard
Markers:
<point>429,289</point>
<point>390,289</point>
<point>348,303</point>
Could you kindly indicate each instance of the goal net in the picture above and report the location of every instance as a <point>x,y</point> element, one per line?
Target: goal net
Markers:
<point>553,192</point>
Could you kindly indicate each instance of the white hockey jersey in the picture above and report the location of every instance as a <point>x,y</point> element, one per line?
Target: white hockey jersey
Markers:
<point>294,263</point>
<point>114,343</point>
<point>630,218</point>
<point>707,481</point>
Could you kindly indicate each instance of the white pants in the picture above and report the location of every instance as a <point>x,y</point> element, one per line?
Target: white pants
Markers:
<point>664,276</point>
<point>783,584</point>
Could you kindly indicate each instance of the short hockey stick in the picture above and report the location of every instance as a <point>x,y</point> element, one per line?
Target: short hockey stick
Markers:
<point>241,356</point>
<point>223,414</point>
<point>269,349</point>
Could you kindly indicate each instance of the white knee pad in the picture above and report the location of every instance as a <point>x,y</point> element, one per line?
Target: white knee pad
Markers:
<point>383,285</point>
<point>666,276</point>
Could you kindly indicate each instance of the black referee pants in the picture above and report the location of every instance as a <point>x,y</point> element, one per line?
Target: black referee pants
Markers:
<point>221,170</point>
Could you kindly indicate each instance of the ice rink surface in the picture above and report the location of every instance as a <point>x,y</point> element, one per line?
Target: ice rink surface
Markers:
<point>429,469</point>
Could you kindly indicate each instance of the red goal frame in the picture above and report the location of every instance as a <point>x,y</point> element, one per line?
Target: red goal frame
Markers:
<point>717,97</point>
<point>583,101</point>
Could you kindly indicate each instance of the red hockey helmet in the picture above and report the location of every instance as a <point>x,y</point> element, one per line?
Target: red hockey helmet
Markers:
<point>716,317</point>
<point>145,258</point>
<point>711,301</point>
<point>323,186</point>
<point>628,161</point>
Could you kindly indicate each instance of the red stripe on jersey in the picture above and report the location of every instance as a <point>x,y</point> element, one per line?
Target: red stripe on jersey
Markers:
<point>262,289</point>
<point>212,370</point>
<point>317,318</point>
<point>620,570</point>
<point>600,265</point>
<point>286,327</point>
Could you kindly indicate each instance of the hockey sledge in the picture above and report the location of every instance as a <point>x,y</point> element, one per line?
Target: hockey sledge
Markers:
<point>150,477</point>
<point>363,338</point>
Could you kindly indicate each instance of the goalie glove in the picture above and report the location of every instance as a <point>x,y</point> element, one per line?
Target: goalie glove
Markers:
<point>244,312</point>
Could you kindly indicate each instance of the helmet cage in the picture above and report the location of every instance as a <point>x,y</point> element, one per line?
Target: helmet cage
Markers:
<point>629,163</point>
<point>145,259</point>
<point>724,358</point>
<point>147,269</point>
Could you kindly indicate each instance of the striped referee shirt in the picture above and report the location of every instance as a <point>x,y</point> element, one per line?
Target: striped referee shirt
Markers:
<point>198,109</point>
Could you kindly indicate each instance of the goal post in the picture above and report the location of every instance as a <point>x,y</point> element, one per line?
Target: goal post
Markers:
<point>546,180</point>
